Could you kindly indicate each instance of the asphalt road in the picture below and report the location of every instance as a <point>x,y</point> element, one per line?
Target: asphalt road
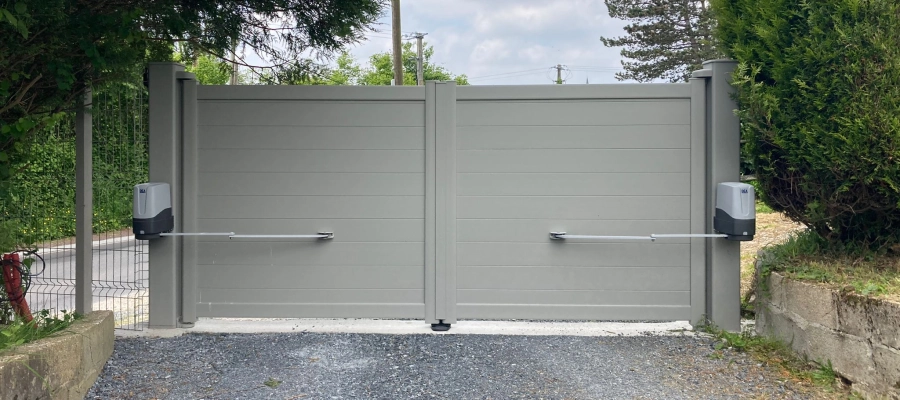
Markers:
<point>120,278</point>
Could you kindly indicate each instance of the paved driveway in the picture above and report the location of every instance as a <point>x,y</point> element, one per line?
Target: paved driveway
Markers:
<point>314,365</point>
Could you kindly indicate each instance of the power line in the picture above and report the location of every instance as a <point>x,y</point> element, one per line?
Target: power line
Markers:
<point>507,73</point>
<point>508,76</point>
<point>592,66</point>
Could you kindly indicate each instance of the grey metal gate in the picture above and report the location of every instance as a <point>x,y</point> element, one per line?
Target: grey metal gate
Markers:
<point>441,200</point>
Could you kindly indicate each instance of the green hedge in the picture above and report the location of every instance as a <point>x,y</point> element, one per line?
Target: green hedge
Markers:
<point>819,93</point>
<point>40,203</point>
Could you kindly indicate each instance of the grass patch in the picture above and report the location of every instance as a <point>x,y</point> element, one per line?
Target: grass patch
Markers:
<point>762,208</point>
<point>773,352</point>
<point>43,325</point>
<point>806,256</point>
<point>272,383</point>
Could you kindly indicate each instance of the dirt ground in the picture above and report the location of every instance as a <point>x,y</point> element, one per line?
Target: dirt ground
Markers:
<point>771,228</point>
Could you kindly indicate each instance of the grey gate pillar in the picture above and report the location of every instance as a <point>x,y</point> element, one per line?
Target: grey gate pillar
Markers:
<point>165,166</point>
<point>723,141</point>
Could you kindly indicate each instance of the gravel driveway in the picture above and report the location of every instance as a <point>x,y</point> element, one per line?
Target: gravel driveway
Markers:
<point>372,366</point>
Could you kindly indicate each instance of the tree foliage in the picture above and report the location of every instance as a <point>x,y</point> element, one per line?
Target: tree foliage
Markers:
<point>667,39</point>
<point>378,72</point>
<point>819,89</point>
<point>208,69</point>
<point>52,50</point>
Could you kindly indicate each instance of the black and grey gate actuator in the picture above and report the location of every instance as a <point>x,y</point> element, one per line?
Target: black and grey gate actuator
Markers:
<point>152,210</point>
<point>735,211</point>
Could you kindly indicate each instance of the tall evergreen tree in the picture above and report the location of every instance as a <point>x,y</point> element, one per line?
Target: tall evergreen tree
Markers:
<point>666,39</point>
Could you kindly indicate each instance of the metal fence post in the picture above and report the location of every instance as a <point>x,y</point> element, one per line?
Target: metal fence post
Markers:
<point>165,150</point>
<point>84,206</point>
<point>723,150</point>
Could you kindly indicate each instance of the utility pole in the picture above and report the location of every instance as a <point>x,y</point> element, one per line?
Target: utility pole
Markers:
<point>420,72</point>
<point>559,69</point>
<point>234,68</point>
<point>398,49</point>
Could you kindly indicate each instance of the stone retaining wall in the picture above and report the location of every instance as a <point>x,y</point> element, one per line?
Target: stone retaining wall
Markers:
<point>62,366</point>
<point>860,336</point>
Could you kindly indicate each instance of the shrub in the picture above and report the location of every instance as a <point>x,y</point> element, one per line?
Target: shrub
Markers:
<point>39,204</point>
<point>819,92</point>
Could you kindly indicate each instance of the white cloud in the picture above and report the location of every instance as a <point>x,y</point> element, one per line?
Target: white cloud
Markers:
<point>491,50</point>
<point>479,37</point>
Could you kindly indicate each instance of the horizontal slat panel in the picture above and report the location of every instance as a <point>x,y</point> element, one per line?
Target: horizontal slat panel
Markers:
<point>293,310</point>
<point>584,112</point>
<point>573,160</point>
<point>309,92</point>
<point>253,276</point>
<point>233,160</point>
<point>538,230</point>
<point>311,113</point>
<point>312,184</point>
<point>566,92</point>
<point>587,184</point>
<point>573,297</point>
<point>574,137</point>
<point>563,312</point>
<point>313,296</point>
<point>345,230</point>
<point>311,137</point>
<point>311,207</point>
<point>311,252</point>
<point>573,254</point>
<point>562,278</point>
<point>561,207</point>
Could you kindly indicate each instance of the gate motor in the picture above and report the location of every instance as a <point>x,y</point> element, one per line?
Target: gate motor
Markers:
<point>152,210</point>
<point>735,211</point>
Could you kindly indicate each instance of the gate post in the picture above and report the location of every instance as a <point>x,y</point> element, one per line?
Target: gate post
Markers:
<point>165,158</point>
<point>84,205</point>
<point>724,158</point>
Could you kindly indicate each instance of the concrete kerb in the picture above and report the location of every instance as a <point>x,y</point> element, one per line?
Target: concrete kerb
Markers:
<point>413,327</point>
<point>62,366</point>
<point>856,334</point>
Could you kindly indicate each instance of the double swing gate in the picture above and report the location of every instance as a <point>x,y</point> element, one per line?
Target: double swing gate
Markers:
<point>442,199</point>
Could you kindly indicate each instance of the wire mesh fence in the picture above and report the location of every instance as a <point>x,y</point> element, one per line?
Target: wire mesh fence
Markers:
<point>39,213</point>
<point>120,161</point>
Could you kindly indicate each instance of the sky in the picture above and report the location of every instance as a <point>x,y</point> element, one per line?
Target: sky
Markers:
<point>509,42</point>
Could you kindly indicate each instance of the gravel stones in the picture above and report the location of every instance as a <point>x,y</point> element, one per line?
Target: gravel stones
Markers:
<point>369,366</point>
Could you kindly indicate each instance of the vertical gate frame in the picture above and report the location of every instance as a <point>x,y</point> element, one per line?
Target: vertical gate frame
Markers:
<point>444,130</point>
<point>190,190</point>
<point>430,205</point>
<point>699,211</point>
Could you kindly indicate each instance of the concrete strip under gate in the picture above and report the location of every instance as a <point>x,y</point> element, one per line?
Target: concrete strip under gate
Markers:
<point>411,327</point>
